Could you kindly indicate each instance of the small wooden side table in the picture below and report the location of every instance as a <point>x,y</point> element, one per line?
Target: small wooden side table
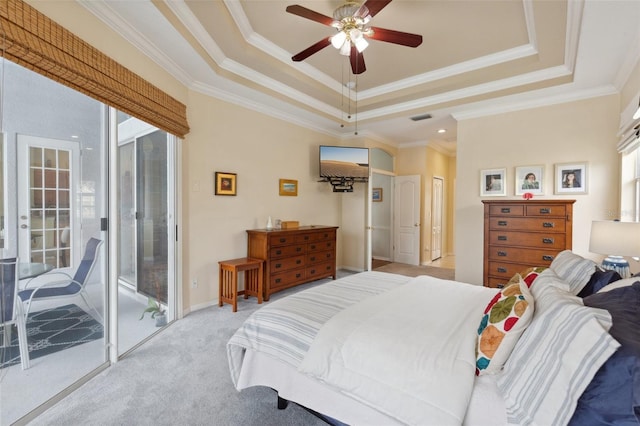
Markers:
<point>228,279</point>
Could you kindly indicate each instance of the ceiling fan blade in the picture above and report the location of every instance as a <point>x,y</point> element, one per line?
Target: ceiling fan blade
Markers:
<point>309,14</point>
<point>312,49</point>
<point>397,37</point>
<point>375,6</point>
<point>357,61</point>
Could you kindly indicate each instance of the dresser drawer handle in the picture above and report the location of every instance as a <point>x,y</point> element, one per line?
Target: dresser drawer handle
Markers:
<point>547,257</point>
<point>502,223</point>
<point>548,224</point>
<point>306,237</point>
<point>278,265</point>
<point>278,251</point>
<point>297,275</point>
<point>283,240</point>
<point>502,238</point>
<point>313,271</point>
<point>328,255</point>
<point>547,240</point>
<point>278,280</point>
<point>503,270</point>
<point>312,246</point>
<point>505,210</point>
<point>328,267</point>
<point>502,253</point>
<point>545,211</point>
<point>298,262</point>
<point>313,258</point>
<point>299,249</point>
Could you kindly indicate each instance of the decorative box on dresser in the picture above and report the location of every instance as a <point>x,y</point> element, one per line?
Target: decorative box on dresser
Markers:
<point>294,256</point>
<point>521,234</point>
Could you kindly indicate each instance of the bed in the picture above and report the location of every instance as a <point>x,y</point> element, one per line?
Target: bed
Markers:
<point>379,348</point>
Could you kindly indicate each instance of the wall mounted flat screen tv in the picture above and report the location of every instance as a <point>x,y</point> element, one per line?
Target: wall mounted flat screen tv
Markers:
<point>338,162</point>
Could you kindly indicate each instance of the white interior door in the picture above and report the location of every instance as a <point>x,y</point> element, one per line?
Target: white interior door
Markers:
<point>407,219</point>
<point>48,218</point>
<point>436,218</point>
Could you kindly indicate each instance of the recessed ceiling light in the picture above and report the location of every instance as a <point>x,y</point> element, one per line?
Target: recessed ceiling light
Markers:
<point>75,136</point>
<point>442,131</point>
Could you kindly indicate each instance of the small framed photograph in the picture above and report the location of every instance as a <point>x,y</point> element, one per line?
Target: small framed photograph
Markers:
<point>225,183</point>
<point>529,179</point>
<point>571,178</point>
<point>376,195</point>
<point>493,182</point>
<point>289,187</point>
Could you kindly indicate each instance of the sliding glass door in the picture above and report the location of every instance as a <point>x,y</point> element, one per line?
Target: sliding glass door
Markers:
<point>54,201</point>
<point>146,226</point>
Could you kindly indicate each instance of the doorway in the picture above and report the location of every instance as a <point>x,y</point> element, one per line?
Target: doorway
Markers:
<point>48,217</point>
<point>436,215</point>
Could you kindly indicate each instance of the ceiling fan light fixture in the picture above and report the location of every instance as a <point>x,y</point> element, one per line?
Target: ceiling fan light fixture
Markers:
<point>361,44</point>
<point>339,39</point>
<point>345,50</point>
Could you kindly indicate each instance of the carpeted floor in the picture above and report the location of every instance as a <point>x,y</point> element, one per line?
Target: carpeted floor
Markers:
<point>180,377</point>
<point>414,271</point>
<point>51,331</point>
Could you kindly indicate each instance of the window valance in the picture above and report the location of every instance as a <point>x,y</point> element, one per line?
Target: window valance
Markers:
<point>29,38</point>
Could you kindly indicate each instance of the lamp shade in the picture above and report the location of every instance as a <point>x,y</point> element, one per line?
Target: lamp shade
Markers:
<point>616,238</point>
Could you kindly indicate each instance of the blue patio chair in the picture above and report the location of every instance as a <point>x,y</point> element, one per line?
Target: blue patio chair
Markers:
<point>68,287</point>
<point>11,310</point>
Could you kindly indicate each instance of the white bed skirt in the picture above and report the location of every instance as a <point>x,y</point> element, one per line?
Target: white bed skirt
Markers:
<point>486,406</point>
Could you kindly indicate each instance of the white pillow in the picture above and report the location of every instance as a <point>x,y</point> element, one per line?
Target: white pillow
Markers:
<point>617,284</point>
<point>573,269</point>
<point>555,359</point>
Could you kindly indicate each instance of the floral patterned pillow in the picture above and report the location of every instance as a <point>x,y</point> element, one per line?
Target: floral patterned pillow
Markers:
<point>505,318</point>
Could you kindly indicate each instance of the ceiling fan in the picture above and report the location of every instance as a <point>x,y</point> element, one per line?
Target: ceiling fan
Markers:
<point>351,22</point>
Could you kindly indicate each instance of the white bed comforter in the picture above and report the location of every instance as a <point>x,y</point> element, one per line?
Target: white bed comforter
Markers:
<point>409,352</point>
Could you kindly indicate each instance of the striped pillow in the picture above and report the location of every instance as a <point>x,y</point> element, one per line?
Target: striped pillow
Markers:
<point>573,269</point>
<point>555,359</point>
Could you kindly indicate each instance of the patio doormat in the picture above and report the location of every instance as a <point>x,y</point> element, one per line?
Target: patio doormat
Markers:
<point>51,331</point>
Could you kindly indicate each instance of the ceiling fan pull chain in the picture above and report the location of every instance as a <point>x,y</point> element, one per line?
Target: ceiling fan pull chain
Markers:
<point>356,106</point>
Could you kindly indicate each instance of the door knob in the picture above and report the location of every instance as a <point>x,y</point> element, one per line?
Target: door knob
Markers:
<point>23,226</point>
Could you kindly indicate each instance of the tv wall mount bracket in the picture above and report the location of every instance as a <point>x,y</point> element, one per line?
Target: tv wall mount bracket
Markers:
<point>343,184</point>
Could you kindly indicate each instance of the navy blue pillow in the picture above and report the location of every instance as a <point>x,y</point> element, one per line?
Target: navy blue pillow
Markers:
<point>598,280</point>
<point>613,396</point>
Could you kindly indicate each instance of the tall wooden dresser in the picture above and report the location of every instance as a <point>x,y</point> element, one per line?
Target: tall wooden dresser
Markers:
<point>521,234</point>
<point>294,256</point>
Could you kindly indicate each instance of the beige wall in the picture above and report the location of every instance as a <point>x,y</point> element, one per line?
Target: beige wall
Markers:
<point>261,150</point>
<point>569,132</point>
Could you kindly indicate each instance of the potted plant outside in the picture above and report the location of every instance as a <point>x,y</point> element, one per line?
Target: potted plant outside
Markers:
<point>157,312</point>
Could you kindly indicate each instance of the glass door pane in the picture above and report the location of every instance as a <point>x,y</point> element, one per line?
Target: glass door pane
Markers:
<point>152,215</point>
<point>145,220</point>
<point>127,231</point>
<point>54,163</point>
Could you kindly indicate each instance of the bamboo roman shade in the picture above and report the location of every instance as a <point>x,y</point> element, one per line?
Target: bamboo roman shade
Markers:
<point>36,42</point>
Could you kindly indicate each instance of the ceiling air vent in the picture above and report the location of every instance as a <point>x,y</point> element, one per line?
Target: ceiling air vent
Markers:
<point>421,117</point>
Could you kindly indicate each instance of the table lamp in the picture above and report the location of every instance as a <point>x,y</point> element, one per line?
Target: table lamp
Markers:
<point>615,239</point>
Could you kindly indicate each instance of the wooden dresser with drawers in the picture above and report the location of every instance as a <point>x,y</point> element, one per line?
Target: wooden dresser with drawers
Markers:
<point>521,234</point>
<point>294,256</point>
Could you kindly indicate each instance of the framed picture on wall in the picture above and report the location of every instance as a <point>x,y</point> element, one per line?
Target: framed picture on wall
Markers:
<point>493,182</point>
<point>225,183</point>
<point>288,187</point>
<point>376,194</point>
<point>529,179</point>
<point>571,178</point>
